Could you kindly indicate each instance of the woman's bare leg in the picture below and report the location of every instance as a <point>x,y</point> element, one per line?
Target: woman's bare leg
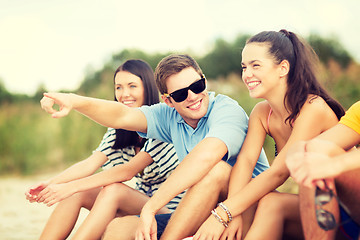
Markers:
<point>66,213</point>
<point>122,228</point>
<point>277,216</point>
<point>115,199</point>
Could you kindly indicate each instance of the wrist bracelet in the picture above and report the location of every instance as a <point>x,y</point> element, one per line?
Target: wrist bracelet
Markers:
<point>226,209</point>
<point>217,216</point>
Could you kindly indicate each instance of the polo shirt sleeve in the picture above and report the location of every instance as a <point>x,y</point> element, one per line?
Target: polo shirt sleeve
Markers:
<point>155,114</point>
<point>352,117</point>
<point>228,122</point>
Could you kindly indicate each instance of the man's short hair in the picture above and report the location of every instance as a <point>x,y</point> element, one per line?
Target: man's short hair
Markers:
<point>171,65</point>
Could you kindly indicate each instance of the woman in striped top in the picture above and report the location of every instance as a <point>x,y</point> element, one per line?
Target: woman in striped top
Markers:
<point>124,155</point>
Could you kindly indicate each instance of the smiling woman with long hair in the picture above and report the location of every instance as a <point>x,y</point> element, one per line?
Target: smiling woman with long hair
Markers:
<point>124,155</point>
<point>279,68</point>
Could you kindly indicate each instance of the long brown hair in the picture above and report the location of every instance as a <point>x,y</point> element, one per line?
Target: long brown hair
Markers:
<point>302,79</point>
<point>140,68</point>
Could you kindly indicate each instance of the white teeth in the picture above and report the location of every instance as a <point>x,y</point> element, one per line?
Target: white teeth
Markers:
<point>195,105</point>
<point>128,102</point>
<point>253,84</point>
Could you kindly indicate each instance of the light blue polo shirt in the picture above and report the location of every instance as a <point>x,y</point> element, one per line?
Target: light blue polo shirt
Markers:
<point>225,120</point>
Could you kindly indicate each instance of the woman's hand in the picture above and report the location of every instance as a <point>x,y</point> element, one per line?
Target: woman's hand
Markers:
<point>147,229</point>
<point>210,229</point>
<point>234,231</point>
<point>55,193</point>
<point>33,192</point>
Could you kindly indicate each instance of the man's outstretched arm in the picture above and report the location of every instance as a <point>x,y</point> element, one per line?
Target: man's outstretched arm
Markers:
<point>108,113</point>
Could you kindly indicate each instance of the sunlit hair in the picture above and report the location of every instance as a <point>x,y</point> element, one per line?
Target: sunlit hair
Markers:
<point>171,65</point>
<point>125,138</point>
<point>302,80</point>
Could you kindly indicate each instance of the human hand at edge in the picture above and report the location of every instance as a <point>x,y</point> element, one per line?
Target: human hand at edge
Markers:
<point>55,193</point>
<point>32,193</point>
<point>309,168</point>
<point>61,99</point>
<point>147,229</point>
<point>210,229</point>
<point>234,231</point>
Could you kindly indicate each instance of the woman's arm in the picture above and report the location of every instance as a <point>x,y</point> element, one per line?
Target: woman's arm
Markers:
<point>308,124</point>
<point>241,173</point>
<point>79,170</point>
<point>119,173</point>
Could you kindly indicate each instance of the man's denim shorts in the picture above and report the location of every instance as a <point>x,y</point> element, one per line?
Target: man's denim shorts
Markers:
<point>350,229</point>
<point>162,220</point>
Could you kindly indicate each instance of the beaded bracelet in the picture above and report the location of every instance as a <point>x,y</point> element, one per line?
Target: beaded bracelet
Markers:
<point>217,216</point>
<point>226,209</point>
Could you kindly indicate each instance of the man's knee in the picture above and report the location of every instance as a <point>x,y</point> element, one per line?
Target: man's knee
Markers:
<point>216,180</point>
<point>219,174</point>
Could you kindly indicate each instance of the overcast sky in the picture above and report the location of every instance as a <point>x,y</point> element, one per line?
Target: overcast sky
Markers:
<point>53,41</point>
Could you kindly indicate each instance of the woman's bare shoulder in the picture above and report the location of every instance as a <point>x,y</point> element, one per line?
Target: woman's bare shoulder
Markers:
<point>262,107</point>
<point>317,104</point>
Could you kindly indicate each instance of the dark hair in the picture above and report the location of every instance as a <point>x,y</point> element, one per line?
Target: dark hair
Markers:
<point>302,80</point>
<point>125,138</point>
<point>171,65</point>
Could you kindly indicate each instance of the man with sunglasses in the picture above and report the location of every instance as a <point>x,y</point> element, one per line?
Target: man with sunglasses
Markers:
<point>206,130</point>
<point>328,171</point>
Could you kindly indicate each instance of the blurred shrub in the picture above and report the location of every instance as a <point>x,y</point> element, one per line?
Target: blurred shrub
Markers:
<point>31,141</point>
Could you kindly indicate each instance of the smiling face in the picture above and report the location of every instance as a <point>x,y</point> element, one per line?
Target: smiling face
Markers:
<point>129,89</point>
<point>260,73</point>
<point>195,106</point>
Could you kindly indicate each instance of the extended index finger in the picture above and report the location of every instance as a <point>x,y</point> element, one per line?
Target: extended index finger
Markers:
<point>47,104</point>
<point>61,99</point>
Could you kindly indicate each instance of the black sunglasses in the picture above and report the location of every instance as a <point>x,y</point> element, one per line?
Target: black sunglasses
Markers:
<point>181,94</point>
<point>325,219</point>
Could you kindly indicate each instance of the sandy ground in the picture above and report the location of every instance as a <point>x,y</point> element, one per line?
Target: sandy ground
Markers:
<point>19,219</point>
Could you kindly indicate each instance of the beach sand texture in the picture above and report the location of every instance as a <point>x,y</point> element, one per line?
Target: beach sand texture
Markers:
<point>20,219</point>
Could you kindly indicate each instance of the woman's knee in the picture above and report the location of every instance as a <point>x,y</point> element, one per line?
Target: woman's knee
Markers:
<point>122,228</point>
<point>116,191</point>
<point>84,199</point>
<point>270,204</point>
<point>283,205</point>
